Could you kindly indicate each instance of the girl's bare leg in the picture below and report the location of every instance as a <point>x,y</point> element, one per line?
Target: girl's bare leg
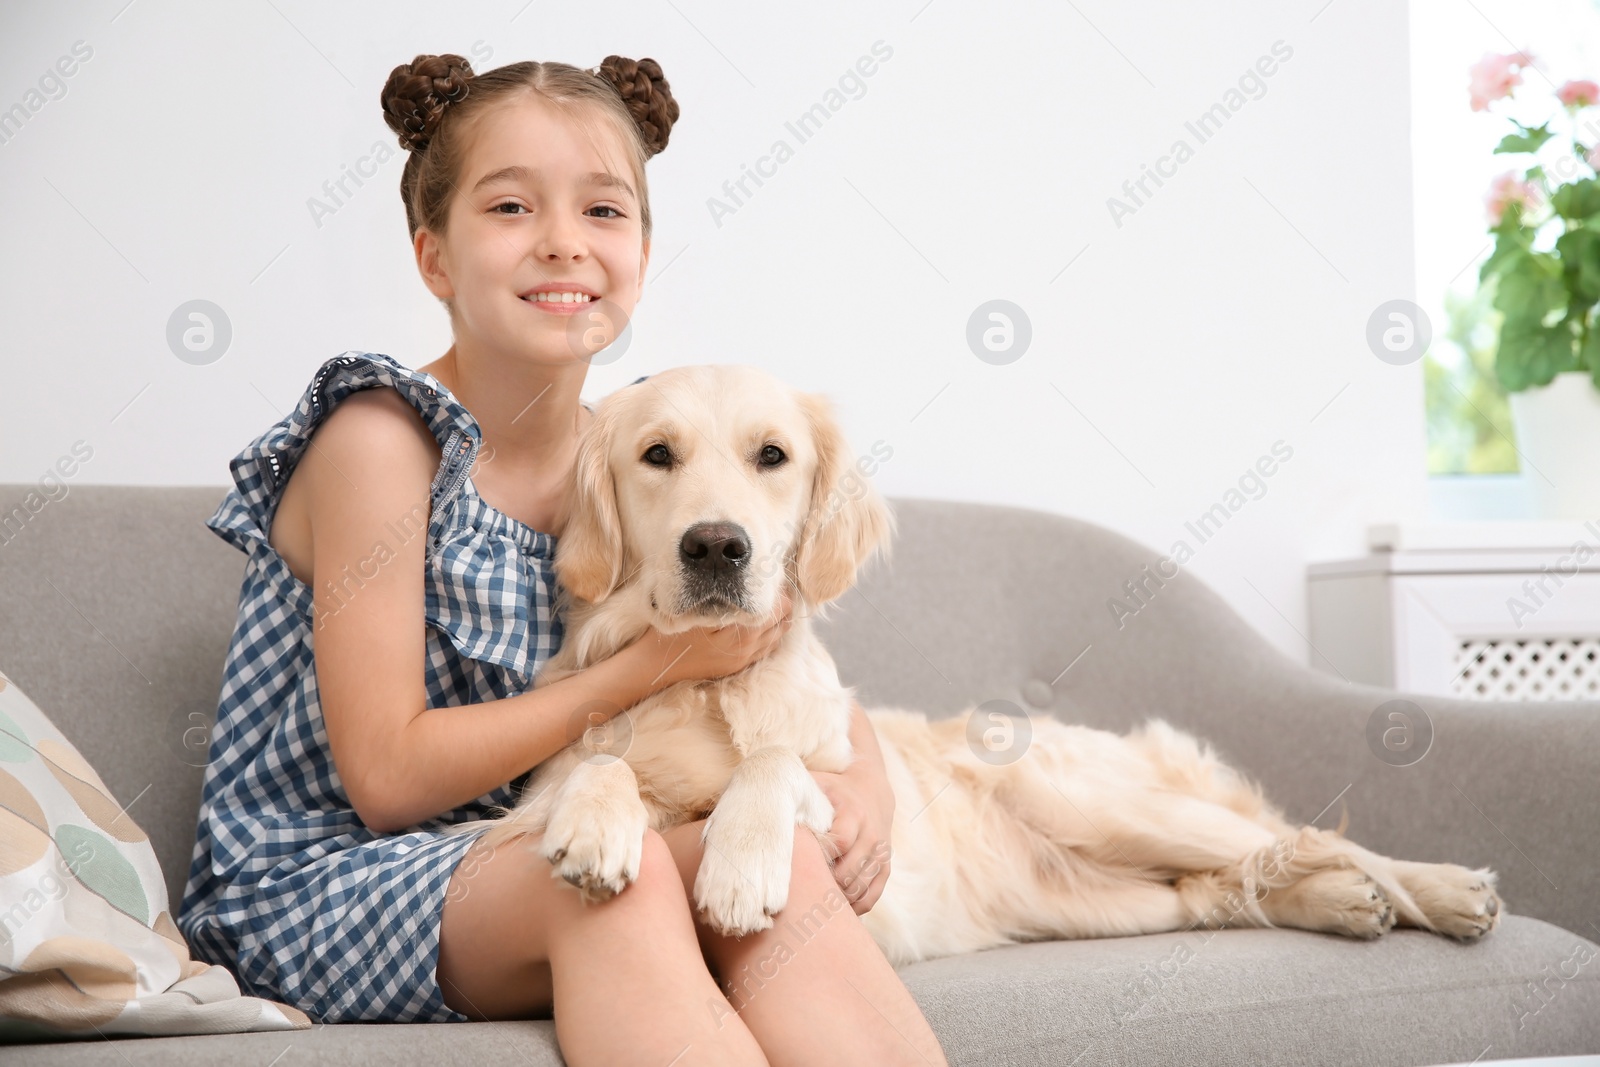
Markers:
<point>814,988</point>
<point>629,974</point>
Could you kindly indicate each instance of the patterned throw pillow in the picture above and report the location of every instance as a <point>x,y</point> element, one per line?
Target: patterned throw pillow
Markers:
<point>87,947</point>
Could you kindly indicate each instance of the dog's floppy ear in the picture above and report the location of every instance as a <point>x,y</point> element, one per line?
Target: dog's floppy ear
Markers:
<point>846,521</point>
<point>589,552</point>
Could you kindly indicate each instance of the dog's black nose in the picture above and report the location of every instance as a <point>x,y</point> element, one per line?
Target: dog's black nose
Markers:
<point>714,548</point>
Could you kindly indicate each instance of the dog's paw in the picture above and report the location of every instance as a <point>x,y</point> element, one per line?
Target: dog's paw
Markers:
<point>740,890</point>
<point>815,810</point>
<point>1360,904</point>
<point>596,848</point>
<point>1459,902</point>
<point>1340,900</point>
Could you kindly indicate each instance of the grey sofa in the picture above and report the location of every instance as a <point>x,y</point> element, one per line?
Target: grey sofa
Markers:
<point>116,606</point>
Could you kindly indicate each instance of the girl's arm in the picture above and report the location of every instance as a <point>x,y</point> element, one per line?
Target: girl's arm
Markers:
<point>863,805</point>
<point>868,769</point>
<point>367,474</point>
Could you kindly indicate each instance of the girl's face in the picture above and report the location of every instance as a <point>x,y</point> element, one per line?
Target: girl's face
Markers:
<point>535,207</point>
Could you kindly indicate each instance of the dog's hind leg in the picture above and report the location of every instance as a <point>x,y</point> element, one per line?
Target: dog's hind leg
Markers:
<point>1101,904</point>
<point>1344,888</point>
<point>1443,898</point>
<point>1070,896</point>
<point>1143,861</point>
<point>1222,866</point>
<point>1159,831</point>
<point>1330,883</point>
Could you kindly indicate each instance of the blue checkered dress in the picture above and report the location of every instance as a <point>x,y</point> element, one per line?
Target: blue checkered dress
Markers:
<point>286,887</point>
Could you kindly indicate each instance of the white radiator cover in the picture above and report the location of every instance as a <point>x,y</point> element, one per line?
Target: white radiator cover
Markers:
<point>1478,611</point>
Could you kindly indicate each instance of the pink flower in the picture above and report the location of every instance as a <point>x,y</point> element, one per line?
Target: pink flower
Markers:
<point>1509,189</point>
<point>1494,76</point>
<point>1576,94</point>
<point>1593,158</point>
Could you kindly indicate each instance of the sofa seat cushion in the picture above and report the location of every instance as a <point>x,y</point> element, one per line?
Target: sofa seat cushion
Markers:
<point>1203,997</point>
<point>1268,996</point>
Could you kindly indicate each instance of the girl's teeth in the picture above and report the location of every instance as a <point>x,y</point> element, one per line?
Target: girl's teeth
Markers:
<point>562,298</point>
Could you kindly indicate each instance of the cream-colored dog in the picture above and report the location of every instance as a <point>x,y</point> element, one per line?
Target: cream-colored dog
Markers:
<point>699,493</point>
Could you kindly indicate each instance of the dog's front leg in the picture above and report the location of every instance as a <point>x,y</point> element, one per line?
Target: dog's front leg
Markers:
<point>595,833</point>
<point>743,879</point>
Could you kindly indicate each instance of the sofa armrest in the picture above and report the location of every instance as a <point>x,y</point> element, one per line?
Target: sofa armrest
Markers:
<point>1512,786</point>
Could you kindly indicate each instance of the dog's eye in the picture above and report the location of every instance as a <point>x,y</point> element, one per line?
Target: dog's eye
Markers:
<point>658,456</point>
<point>772,456</point>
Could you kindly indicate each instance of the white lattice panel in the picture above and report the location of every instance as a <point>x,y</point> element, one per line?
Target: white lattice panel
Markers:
<point>1548,668</point>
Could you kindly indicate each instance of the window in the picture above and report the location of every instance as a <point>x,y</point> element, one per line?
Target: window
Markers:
<point>1469,422</point>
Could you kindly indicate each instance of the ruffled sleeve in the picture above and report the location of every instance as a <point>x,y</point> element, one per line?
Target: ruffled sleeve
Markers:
<point>491,589</point>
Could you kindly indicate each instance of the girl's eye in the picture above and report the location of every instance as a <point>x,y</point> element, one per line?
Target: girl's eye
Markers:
<point>658,456</point>
<point>772,456</point>
<point>498,210</point>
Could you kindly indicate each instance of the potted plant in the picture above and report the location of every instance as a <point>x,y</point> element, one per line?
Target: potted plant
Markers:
<point>1545,270</point>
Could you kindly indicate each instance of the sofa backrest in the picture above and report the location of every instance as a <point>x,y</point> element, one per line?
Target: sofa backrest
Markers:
<point>117,605</point>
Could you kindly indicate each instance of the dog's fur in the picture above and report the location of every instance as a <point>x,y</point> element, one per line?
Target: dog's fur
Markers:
<point>1086,834</point>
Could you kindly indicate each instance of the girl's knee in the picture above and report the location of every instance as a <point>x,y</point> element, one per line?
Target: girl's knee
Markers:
<point>660,872</point>
<point>656,856</point>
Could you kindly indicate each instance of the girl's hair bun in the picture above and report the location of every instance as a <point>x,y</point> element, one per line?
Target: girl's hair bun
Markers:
<point>416,94</point>
<point>648,97</point>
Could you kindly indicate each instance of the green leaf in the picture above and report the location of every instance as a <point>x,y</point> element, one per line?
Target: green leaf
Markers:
<point>1511,219</point>
<point>1579,200</point>
<point>1508,245</point>
<point>1530,287</point>
<point>1531,353</point>
<point>1528,140</point>
<point>1580,265</point>
<point>1589,355</point>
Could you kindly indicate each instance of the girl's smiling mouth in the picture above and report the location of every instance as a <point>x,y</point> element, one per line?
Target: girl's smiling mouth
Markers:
<point>561,299</point>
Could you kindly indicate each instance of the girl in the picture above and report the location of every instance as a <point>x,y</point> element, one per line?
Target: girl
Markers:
<point>415,524</point>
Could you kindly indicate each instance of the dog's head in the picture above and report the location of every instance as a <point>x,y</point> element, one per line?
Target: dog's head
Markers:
<point>709,487</point>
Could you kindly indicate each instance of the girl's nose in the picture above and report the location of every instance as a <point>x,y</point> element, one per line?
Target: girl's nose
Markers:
<point>559,239</point>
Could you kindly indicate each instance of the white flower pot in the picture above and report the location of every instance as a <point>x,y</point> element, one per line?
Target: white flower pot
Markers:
<point>1558,436</point>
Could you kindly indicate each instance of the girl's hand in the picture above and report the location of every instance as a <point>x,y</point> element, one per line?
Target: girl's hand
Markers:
<point>715,652</point>
<point>862,817</point>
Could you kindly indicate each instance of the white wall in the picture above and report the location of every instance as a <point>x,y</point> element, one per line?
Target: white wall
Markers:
<point>1226,314</point>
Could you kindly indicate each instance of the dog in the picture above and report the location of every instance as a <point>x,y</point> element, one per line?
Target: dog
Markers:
<point>699,493</point>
